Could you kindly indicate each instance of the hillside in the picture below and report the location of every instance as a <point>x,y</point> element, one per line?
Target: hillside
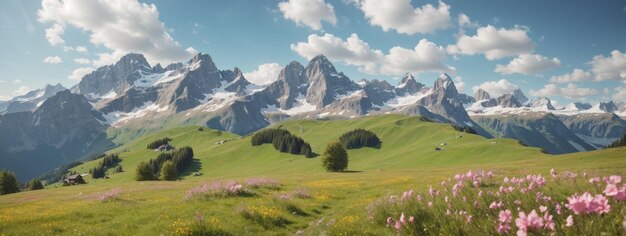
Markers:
<point>406,160</point>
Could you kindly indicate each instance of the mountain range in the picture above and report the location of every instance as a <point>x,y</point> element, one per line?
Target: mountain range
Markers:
<point>117,103</point>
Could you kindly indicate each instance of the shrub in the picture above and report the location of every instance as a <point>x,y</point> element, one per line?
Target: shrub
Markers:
<point>359,138</point>
<point>158,143</point>
<point>283,141</point>
<point>335,157</point>
<point>34,184</point>
<point>119,169</point>
<point>144,172</point>
<point>8,183</point>
<point>168,171</point>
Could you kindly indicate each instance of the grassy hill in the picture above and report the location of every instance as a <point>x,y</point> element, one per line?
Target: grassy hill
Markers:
<point>406,160</point>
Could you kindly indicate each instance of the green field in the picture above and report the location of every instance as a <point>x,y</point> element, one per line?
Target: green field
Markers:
<point>406,160</point>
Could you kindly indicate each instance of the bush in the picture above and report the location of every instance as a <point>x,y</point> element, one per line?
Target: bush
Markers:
<point>34,184</point>
<point>158,143</point>
<point>359,138</point>
<point>335,157</point>
<point>168,171</point>
<point>283,141</point>
<point>8,183</point>
<point>144,172</point>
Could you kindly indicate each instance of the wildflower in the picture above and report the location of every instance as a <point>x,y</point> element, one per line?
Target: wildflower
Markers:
<point>553,173</point>
<point>569,221</point>
<point>531,222</point>
<point>389,221</point>
<point>406,195</point>
<point>586,203</point>
<point>548,222</point>
<point>398,226</point>
<point>543,209</point>
<point>594,180</point>
<point>614,179</point>
<point>504,221</point>
<point>480,193</point>
<point>468,218</point>
<point>412,219</point>
<point>430,204</point>
<point>402,218</point>
<point>611,190</point>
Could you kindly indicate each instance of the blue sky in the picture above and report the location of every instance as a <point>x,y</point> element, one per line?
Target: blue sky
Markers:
<point>545,39</point>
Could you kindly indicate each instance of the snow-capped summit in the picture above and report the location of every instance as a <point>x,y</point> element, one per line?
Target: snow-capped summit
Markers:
<point>521,98</point>
<point>30,100</point>
<point>408,85</point>
<point>543,103</point>
<point>481,94</point>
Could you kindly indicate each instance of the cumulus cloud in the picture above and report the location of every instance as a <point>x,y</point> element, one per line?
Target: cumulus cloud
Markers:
<point>264,74</point>
<point>79,73</point>
<point>426,56</point>
<point>575,76</point>
<point>82,60</point>
<point>607,68</point>
<point>309,13</point>
<point>459,84</point>
<point>21,91</point>
<point>620,94</point>
<point>496,88</point>
<point>52,60</point>
<point>122,26</point>
<point>528,64</point>
<point>401,16</point>
<point>76,49</point>
<point>464,21</point>
<point>494,43</point>
<point>571,91</point>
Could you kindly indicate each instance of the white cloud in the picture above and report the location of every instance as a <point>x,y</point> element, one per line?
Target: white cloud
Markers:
<point>53,34</point>
<point>77,49</point>
<point>426,56</point>
<point>571,91</point>
<point>21,91</point>
<point>613,67</point>
<point>620,94</point>
<point>528,64</point>
<point>122,26</point>
<point>52,60</point>
<point>496,88</point>
<point>494,43</point>
<point>79,73</point>
<point>310,13</point>
<point>352,51</point>
<point>465,22</point>
<point>575,76</point>
<point>264,74</point>
<point>82,60</point>
<point>459,84</point>
<point>17,81</point>
<point>401,16</point>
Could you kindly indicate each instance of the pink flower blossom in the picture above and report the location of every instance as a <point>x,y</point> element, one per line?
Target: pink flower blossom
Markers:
<point>594,180</point>
<point>611,190</point>
<point>389,221</point>
<point>398,226</point>
<point>548,222</point>
<point>412,219</point>
<point>402,218</point>
<point>531,222</point>
<point>569,221</point>
<point>543,209</point>
<point>614,179</point>
<point>505,216</point>
<point>586,203</point>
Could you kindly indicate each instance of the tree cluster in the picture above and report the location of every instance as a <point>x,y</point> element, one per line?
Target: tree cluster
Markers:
<point>8,183</point>
<point>618,143</point>
<point>107,162</point>
<point>158,143</point>
<point>359,138</point>
<point>166,165</point>
<point>283,141</point>
<point>34,184</point>
<point>465,129</point>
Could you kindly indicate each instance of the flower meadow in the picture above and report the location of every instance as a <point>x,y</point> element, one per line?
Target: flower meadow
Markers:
<point>482,203</point>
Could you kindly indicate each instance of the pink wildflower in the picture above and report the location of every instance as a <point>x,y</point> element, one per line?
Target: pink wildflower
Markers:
<point>548,222</point>
<point>412,219</point>
<point>614,179</point>
<point>543,209</point>
<point>611,190</point>
<point>531,222</point>
<point>402,218</point>
<point>569,221</point>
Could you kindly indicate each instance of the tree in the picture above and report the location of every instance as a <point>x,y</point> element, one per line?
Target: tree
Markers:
<point>35,184</point>
<point>144,172</point>
<point>119,169</point>
<point>8,183</point>
<point>335,157</point>
<point>168,171</point>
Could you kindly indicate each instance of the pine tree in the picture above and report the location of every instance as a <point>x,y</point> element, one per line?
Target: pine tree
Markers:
<point>168,171</point>
<point>8,183</point>
<point>618,143</point>
<point>119,169</point>
<point>335,157</point>
<point>144,172</point>
<point>35,184</point>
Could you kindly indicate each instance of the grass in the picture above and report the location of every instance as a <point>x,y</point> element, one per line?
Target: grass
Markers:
<point>337,202</point>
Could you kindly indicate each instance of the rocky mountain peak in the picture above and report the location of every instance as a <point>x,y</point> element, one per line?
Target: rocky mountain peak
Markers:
<point>609,106</point>
<point>544,103</point>
<point>481,94</point>
<point>325,83</point>
<point>445,83</point>
<point>408,85</point>
<point>508,100</point>
<point>202,60</point>
<point>519,95</point>
<point>132,60</point>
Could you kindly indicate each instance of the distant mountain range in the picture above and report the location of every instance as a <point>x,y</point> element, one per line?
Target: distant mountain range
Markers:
<point>116,103</point>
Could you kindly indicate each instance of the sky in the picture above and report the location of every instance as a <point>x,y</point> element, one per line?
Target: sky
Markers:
<point>565,50</point>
